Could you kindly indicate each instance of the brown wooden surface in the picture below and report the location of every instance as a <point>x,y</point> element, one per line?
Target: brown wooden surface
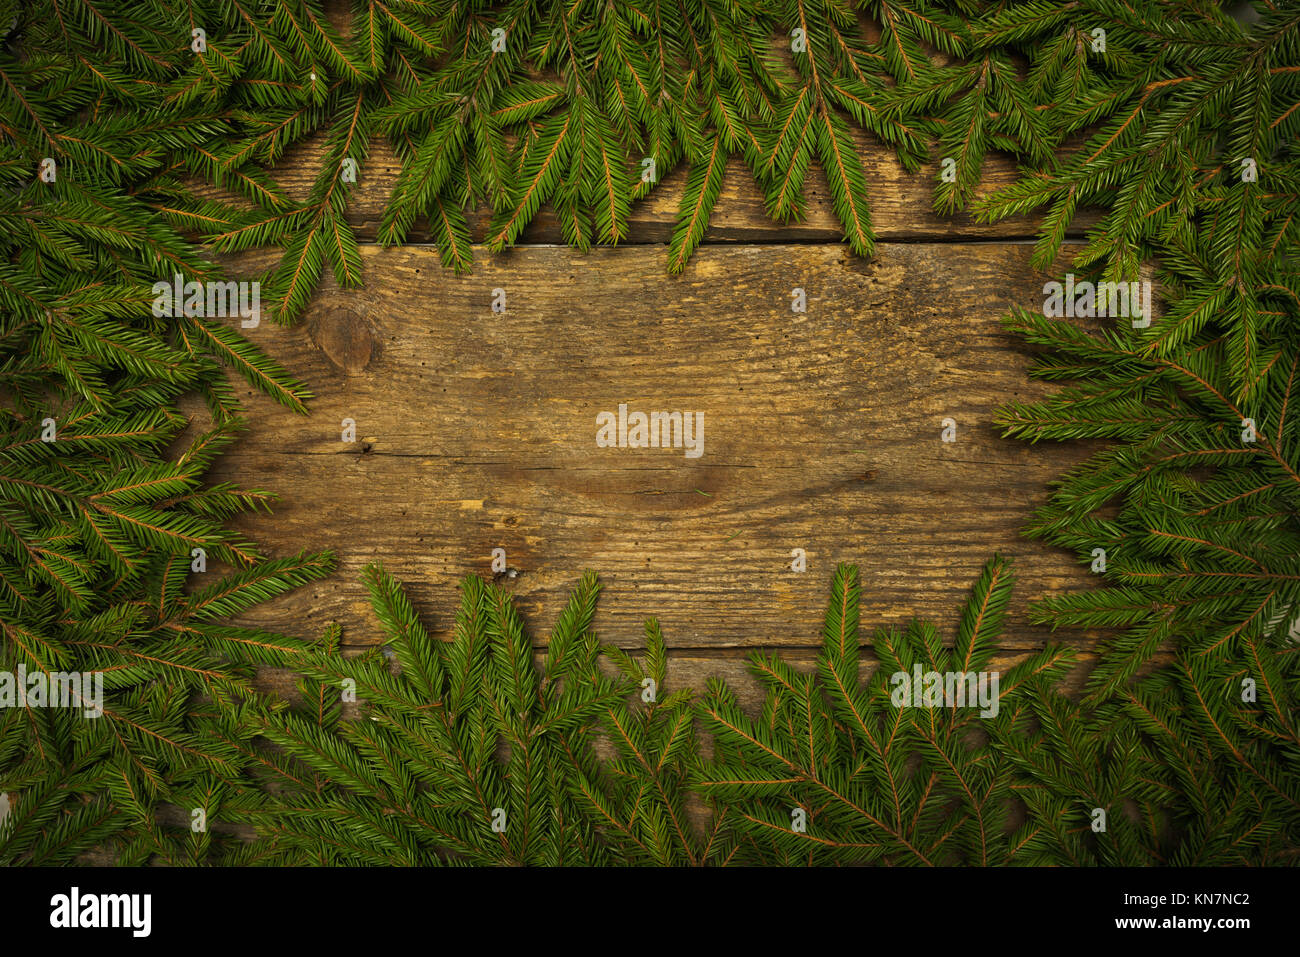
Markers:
<point>476,430</point>
<point>901,203</point>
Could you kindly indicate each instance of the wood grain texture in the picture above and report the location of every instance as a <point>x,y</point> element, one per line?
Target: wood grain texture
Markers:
<point>901,203</point>
<point>477,430</point>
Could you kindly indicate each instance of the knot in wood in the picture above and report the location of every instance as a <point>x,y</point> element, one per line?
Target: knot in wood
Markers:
<point>345,336</point>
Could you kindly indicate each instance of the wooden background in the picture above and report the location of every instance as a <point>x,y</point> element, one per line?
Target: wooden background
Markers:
<point>476,430</point>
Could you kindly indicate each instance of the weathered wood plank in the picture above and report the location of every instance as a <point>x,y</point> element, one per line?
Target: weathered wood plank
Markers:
<point>477,430</point>
<point>901,203</point>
